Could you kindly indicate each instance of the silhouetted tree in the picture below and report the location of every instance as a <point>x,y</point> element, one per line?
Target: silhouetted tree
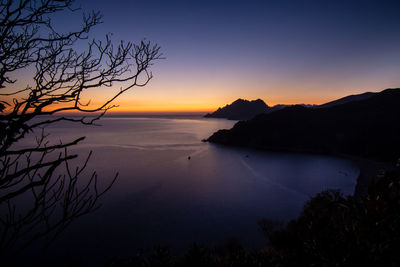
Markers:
<point>41,174</point>
<point>334,230</point>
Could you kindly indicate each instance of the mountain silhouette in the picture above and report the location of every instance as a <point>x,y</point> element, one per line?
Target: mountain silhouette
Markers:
<point>365,125</point>
<point>347,99</point>
<point>240,110</point>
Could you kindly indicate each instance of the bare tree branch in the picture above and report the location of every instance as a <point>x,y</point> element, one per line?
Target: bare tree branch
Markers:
<point>61,78</point>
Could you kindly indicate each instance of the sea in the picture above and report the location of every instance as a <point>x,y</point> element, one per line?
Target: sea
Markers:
<point>174,190</point>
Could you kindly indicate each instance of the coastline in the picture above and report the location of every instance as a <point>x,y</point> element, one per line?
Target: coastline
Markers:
<point>369,168</point>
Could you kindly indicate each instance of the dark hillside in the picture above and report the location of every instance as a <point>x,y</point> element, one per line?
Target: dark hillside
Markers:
<point>367,128</point>
<point>346,99</point>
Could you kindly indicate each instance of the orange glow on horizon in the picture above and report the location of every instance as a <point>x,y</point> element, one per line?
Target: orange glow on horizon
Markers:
<point>210,107</point>
<point>165,107</point>
<point>186,97</point>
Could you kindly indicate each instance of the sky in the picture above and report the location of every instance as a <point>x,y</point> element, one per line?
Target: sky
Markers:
<point>283,51</point>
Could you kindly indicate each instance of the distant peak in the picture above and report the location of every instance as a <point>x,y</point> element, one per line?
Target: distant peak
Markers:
<point>241,109</point>
<point>239,100</point>
<point>242,101</point>
<point>258,101</point>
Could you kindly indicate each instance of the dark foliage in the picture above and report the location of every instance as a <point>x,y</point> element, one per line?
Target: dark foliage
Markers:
<point>344,231</point>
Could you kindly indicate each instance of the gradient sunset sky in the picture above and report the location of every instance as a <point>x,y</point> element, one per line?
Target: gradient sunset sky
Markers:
<point>282,51</point>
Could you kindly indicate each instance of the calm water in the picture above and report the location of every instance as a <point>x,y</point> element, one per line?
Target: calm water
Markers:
<point>161,197</point>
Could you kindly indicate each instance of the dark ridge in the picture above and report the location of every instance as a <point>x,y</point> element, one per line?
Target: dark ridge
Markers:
<point>367,127</point>
<point>240,110</point>
<point>347,99</point>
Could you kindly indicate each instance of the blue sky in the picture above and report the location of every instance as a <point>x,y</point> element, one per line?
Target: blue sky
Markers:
<point>281,51</point>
